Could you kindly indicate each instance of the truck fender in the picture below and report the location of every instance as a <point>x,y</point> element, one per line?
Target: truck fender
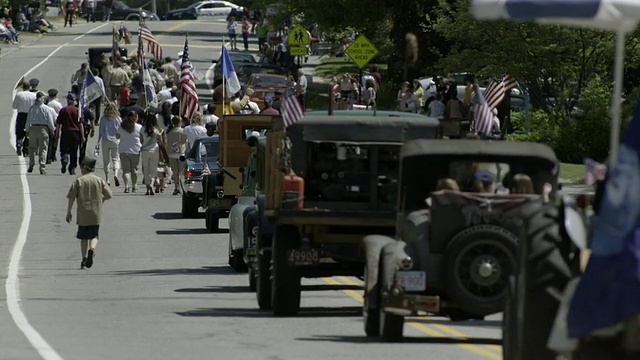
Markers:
<point>373,249</point>
<point>391,255</point>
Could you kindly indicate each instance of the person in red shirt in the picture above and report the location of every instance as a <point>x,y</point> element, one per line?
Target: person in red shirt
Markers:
<point>70,131</point>
<point>268,109</point>
<point>70,9</point>
<point>125,91</point>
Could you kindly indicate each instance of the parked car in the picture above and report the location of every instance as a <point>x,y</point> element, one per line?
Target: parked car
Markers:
<point>204,151</point>
<point>121,11</point>
<point>190,12</point>
<point>453,250</point>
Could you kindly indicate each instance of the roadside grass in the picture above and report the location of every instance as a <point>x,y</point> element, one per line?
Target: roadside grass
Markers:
<point>574,173</point>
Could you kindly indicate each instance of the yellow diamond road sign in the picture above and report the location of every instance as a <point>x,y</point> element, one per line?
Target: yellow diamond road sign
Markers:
<point>361,51</point>
<point>299,36</point>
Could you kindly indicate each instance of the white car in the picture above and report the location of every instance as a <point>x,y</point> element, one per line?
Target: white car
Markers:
<point>211,8</point>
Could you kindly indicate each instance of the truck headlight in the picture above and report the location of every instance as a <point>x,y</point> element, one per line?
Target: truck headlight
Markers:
<point>220,194</point>
<point>406,263</point>
<point>255,230</point>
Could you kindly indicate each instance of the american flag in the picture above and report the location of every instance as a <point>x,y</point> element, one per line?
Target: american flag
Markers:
<point>152,44</point>
<point>188,95</point>
<point>291,110</point>
<point>482,113</point>
<point>496,91</point>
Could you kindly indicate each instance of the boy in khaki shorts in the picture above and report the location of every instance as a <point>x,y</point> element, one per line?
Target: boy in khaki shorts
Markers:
<point>91,191</point>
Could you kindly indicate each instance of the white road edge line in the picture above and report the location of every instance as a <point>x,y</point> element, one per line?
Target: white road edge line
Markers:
<point>11,285</point>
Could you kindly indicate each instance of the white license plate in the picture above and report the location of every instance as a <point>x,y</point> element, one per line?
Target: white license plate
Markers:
<point>220,203</point>
<point>303,256</point>
<point>412,280</point>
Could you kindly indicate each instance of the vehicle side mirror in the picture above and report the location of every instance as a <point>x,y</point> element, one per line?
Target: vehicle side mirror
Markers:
<point>241,170</point>
<point>182,158</point>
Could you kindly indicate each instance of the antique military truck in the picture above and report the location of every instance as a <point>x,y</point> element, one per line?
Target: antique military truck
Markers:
<point>455,245</point>
<point>326,182</point>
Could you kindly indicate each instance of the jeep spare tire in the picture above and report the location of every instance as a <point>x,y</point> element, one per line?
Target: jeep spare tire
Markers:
<point>477,264</point>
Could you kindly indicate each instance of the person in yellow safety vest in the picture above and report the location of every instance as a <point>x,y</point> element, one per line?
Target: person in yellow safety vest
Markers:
<point>230,106</point>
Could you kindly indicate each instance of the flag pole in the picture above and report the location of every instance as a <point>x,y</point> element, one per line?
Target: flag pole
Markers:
<point>224,79</point>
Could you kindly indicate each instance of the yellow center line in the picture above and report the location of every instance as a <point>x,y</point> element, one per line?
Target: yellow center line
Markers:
<point>423,328</point>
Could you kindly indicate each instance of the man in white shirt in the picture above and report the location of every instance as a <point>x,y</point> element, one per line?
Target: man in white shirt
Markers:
<point>22,103</point>
<point>209,116</point>
<point>54,103</point>
<point>178,63</point>
<point>301,90</point>
<point>165,94</point>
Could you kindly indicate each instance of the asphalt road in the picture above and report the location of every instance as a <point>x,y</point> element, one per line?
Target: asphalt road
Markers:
<point>160,287</point>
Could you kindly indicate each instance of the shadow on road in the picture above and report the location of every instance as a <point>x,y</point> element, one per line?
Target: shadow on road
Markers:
<point>215,289</point>
<point>471,323</point>
<point>257,313</point>
<point>206,270</point>
<point>198,231</point>
<point>414,340</point>
<point>330,287</point>
<point>167,216</point>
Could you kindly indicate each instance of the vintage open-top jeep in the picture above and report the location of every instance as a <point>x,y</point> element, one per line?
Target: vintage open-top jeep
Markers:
<point>453,250</point>
<point>348,169</point>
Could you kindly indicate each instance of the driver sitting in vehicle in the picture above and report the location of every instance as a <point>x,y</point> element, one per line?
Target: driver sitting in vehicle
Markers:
<point>444,184</point>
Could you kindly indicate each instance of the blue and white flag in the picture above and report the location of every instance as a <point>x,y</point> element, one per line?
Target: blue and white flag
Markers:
<point>232,82</point>
<point>149,89</point>
<point>91,90</point>
<point>609,290</point>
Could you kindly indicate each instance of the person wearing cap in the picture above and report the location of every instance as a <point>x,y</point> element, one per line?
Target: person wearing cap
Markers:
<point>165,94</point>
<point>209,114</point>
<point>22,102</point>
<point>268,107</point>
<point>118,77</point>
<point>485,181</point>
<point>53,102</point>
<point>90,191</point>
<point>33,83</point>
<point>80,74</point>
<point>133,106</point>
<point>70,131</point>
<point>40,123</point>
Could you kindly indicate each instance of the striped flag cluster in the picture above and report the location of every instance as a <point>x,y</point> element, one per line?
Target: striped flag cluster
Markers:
<point>493,96</point>
<point>152,44</point>
<point>188,94</point>
<point>114,46</point>
<point>291,110</point>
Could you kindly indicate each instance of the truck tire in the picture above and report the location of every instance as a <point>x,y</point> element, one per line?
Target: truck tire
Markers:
<point>212,222</point>
<point>235,259</point>
<point>189,206</point>
<point>285,281</point>
<point>478,262</point>
<point>371,309</point>
<point>252,278</point>
<point>391,326</point>
<point>542,269</point>
<point>263,276</point>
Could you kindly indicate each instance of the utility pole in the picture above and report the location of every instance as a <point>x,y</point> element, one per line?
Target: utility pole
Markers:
<point>153,7</point>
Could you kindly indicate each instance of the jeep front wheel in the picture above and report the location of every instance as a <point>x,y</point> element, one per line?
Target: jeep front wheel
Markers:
<point>478,263</point>
<point>391,325</point>
<point>285,283</point>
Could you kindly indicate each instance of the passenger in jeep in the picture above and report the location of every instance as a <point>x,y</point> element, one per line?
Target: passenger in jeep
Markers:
<point>485,181</point>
